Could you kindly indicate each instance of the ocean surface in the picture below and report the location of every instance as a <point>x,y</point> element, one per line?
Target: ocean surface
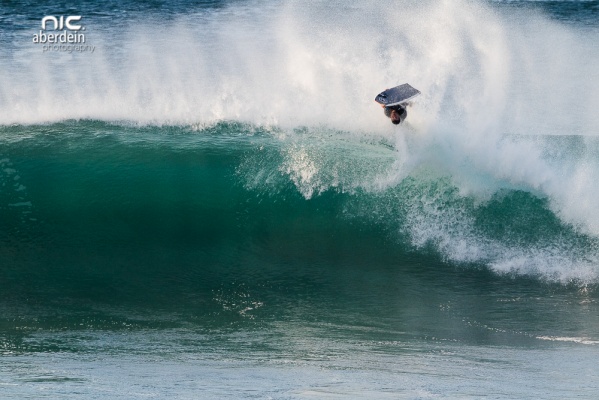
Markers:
<point>201,200</point>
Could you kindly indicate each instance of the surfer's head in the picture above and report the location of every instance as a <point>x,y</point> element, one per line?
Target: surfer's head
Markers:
<point>395,117</point>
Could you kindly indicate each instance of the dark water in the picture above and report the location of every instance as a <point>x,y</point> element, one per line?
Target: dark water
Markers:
<point>180,219</point>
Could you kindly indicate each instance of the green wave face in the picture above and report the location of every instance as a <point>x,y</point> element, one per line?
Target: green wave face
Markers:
<point>121,202</point>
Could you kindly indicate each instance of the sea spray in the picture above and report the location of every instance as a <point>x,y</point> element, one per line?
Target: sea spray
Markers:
<point>293,64</point>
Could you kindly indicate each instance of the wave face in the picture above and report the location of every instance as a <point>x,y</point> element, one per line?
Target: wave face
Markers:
<point>196,127</point>
<point>102,195</point>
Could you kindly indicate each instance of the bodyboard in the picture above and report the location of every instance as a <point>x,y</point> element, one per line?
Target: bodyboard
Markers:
<point>397,95</point>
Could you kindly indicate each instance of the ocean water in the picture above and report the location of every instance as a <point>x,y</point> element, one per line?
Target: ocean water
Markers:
<point>202,200</point>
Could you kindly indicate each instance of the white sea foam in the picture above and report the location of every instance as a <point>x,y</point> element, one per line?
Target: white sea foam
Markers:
<point>579,340</point>
<point>320,63</point>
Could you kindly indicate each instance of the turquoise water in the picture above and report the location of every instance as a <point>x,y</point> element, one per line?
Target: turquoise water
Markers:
<point>181,219</point>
